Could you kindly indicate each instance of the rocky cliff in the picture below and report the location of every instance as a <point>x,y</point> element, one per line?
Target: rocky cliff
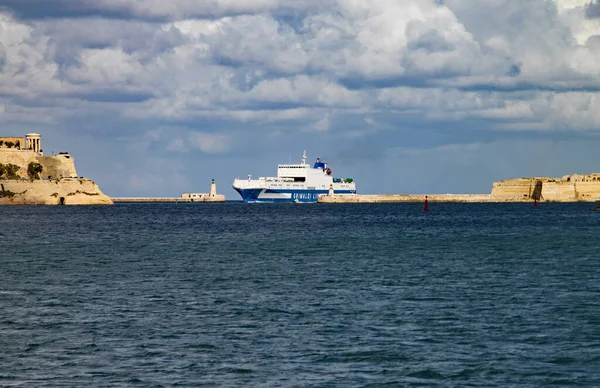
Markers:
<point>57,183</point>
<point>68,191</point>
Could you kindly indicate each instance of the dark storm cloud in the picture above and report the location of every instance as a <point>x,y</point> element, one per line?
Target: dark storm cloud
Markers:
<point>49,9</point>
<point>529,86</point>
<point>359,82</point>
<point>115,96</point>
<point>292,11</point>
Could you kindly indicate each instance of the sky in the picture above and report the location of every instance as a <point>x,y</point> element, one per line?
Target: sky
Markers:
<point>156,98</point>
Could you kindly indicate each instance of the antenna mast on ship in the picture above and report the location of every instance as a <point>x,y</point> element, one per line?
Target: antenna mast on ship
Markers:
<point>304,157</point>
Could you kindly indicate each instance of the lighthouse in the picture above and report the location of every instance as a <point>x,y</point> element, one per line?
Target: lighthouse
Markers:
<point>213,188</point>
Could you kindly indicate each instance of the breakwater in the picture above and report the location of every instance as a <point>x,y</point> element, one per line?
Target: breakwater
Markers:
<point>211,196</point>
<point>569,188</point>
<point>398,198</point>
<point>217,198</point>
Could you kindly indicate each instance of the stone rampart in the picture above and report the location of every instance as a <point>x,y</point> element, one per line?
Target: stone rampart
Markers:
<point>559,192</point>
<point>515,189</point>
<point>570,188</point>
<point>21,158</point>
<point>58,166</point>
<point>17,142</point>
<point>53,166</point>
<point>587,191</point>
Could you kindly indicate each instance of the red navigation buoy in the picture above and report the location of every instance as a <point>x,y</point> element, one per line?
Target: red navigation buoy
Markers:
<point>535,202</point>
<point>426,204</point>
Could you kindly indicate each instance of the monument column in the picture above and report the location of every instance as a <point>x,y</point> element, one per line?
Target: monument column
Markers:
<point>33,142</point>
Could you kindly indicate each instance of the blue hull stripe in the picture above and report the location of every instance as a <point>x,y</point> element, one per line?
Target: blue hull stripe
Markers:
<point>308,196</point>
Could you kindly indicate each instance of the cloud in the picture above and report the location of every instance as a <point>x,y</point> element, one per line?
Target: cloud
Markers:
<point>177,145</point>
<point>231,78</point>
<point>2,56</point>
<point>149,10</point>
<point>322,124</point>
<point>209,142</point>
<point>592,10</point>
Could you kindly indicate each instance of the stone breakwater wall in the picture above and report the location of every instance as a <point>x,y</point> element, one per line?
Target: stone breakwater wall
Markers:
<point>70,191</point>
<point>399,198</point>
<point>216,198</point>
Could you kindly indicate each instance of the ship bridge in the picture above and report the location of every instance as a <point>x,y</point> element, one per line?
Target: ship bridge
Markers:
<point>292,170</point>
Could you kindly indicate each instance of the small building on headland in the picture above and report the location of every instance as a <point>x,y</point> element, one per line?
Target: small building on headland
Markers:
<point>27,176</point>
<point>22,151</point>
<point>31,142</point>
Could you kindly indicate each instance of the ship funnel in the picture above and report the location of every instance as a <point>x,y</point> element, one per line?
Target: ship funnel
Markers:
<point>304,157</point>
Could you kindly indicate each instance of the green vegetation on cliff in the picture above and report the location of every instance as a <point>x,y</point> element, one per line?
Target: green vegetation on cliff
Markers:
<point>34,170</point>
<point>9,171</point>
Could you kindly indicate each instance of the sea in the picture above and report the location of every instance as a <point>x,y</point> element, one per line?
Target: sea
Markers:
<point>300,295</point>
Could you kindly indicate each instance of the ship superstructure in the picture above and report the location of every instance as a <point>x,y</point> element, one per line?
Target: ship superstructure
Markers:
<point>294,183</point>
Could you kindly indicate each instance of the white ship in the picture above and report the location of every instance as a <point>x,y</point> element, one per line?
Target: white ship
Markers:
<point>294,183</point>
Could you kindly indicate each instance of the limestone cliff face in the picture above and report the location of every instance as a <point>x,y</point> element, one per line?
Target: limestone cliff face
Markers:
<point>58,185</point>
<point>68,191</point>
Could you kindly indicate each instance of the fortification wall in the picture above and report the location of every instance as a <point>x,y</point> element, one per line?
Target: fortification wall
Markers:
<point>58,166</point>
<point>21,158</point>
<point>572,191</point>
<point>559,191</point>
<point>52,192</point>
<point>587,191</point>
<point>568,189</point>
<point>18,142</point>
<point>54,166</point>
<point>514,189</point>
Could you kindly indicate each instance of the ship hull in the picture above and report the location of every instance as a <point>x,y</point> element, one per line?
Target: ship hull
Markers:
<point>283,196</point>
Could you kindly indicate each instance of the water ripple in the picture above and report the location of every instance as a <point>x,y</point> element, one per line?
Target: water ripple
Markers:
<point>465,295</point>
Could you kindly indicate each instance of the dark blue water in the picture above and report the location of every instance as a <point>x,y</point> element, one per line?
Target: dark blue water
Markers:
<point>300,295</point>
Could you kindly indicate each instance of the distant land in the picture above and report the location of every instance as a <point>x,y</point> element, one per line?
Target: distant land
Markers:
<point>27,177</point>
<point>569,188</point>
